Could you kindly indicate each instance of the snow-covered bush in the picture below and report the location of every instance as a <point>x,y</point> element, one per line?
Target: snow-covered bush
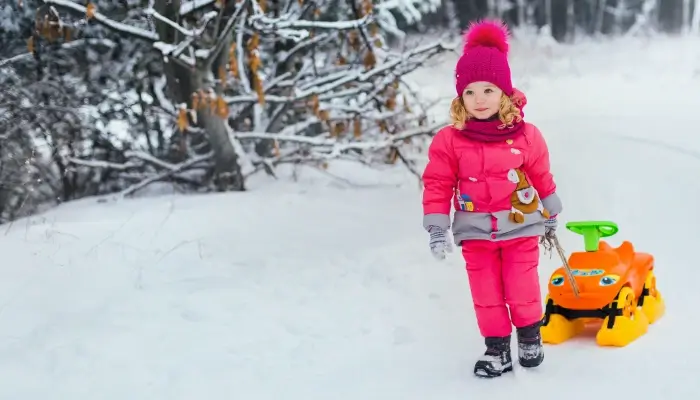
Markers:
<point>204,93</point>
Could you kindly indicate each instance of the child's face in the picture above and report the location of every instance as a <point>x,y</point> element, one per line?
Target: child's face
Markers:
<point>482,99</point>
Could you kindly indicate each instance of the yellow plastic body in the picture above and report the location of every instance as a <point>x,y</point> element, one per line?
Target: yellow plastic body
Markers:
<point>626,328</point>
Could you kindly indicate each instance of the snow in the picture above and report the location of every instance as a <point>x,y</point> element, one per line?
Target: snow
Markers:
<point>324,287</point>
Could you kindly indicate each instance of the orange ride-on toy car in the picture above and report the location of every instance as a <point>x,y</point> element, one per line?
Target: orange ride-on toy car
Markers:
<point>615,285</point>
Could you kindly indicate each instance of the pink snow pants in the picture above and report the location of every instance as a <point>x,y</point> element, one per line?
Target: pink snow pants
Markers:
<point>504,273</point>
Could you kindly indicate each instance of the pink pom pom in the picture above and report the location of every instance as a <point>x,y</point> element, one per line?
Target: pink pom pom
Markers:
<point>518,98</point>
<point>487,33</point>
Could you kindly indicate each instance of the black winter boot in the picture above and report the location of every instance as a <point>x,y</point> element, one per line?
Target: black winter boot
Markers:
<point>530,350</point>
<point>496,360</point>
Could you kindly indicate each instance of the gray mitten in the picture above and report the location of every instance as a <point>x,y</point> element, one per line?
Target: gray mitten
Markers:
<point>550,228</point>
<point>550,225</point>
<point>439,242</point>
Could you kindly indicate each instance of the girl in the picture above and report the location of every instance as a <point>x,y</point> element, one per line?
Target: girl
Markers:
<point>496,168</point>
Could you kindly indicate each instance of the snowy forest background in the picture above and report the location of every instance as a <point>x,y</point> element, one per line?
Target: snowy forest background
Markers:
<point>106,97</point>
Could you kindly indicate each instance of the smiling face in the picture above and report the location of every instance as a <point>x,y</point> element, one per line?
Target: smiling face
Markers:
<point>482,99</point>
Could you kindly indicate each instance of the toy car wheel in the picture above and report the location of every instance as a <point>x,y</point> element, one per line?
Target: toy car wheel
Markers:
<point>649,289</point>
<point>626,325</point>
<point>650,284</point>
<point>651,301</point>
<point>626,302</point>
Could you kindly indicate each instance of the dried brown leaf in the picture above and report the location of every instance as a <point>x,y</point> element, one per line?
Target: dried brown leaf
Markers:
<point>90,10</point>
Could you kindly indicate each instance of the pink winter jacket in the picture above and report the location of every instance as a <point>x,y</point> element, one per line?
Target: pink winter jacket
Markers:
<point>479,178</point>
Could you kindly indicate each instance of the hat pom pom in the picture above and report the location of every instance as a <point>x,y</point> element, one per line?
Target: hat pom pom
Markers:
<point>518,98</point>
<point>487,33</point>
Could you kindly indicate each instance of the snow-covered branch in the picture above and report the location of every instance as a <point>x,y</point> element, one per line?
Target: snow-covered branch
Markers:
<point>325,84</point>
<point>224,34</point>
<point>190,6</point>
<point>163,175</point>
<point>135,168</point>
<point>65,46</point>
<point>102,164</point>
<point>128,30</point>
<point>336,146</point>
<point>104,20</point>
<point>155,14</point>
<point>262,22</point>
<point>315,150</point>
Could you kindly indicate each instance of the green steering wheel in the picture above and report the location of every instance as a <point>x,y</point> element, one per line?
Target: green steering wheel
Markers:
<point>592,231</point>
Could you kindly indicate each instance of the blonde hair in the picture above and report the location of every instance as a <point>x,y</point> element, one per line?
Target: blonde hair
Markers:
<point>508,113</point>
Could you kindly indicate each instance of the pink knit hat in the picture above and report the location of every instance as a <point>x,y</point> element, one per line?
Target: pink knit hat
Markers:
<point>485,57</point>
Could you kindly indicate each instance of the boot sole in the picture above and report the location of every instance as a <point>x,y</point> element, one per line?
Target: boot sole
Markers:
<point>531,363</point>
<point>484,373</point>
<point>528,365</point>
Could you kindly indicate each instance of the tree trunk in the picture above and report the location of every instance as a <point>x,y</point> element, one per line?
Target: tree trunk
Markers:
<point>521,6</point>
<point>600,15</point>
<point>181,83</point>
<point>548,14</point>
<point>695,20</point>
<point>570,21</point>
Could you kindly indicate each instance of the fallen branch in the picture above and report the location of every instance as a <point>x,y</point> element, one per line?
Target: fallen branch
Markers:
<point>170,170</point>
<point>409,165</point>
<point>136,160</point>
<point>179,168</point>
<point>102,164</point>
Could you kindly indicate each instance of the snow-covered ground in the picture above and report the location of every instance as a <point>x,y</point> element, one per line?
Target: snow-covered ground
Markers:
<point>325,288</point>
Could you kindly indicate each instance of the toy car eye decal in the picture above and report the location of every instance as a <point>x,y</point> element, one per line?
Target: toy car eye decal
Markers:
<point>608,280</point>
<point>557,280</point>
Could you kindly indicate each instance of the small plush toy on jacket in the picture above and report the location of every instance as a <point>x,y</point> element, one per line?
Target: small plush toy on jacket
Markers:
<point>493,167</point>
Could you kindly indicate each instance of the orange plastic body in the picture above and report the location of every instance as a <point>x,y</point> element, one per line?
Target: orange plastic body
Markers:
<point>600,276</point>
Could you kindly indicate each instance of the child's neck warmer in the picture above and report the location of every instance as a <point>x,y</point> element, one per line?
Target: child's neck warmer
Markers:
<point>491,130</point>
